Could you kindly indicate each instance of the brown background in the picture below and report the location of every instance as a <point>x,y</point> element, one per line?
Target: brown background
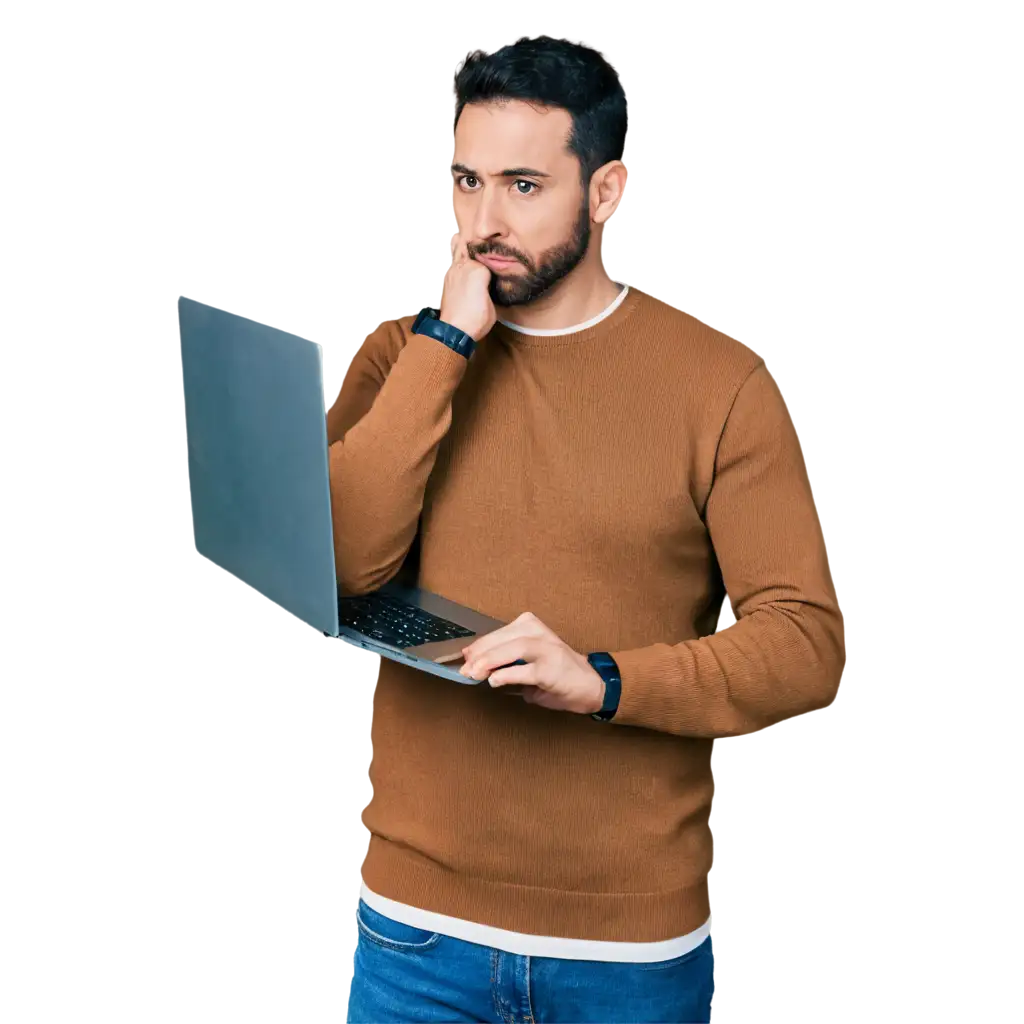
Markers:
<point>180,769</point>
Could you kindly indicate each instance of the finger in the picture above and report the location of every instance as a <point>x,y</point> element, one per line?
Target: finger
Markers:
<point>514,675</point>
<point>510,655</point>
<point>482,644</point>
<point>459,253</point>
<point>478,671</point>
<point>442,268</point>
<point>520,626</point>
<point>455,244</point>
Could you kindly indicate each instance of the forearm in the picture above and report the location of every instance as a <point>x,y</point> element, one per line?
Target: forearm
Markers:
<point>783,659</point>
<point>379,469</point>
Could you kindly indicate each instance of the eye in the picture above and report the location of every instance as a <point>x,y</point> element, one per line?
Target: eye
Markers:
<point>535,188</point>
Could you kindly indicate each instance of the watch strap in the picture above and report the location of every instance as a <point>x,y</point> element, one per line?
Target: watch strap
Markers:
<point>428,321</point>
<point>607,668</point>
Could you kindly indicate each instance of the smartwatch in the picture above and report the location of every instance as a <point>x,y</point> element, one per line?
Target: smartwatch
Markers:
<point>428,321</point>
<point>605,666</point>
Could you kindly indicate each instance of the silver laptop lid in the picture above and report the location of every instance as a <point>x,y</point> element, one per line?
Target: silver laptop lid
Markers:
<point>257,458</point>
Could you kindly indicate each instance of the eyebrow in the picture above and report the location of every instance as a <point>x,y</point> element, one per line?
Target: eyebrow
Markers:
<point>512,172</point>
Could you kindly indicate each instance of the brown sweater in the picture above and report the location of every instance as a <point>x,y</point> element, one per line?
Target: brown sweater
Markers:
<point>617,482</point>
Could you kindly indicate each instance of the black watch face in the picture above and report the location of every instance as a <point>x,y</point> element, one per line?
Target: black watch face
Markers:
<point>426,311</point>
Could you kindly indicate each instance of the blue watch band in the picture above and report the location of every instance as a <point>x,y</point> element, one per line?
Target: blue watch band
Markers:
<point>605,666</point>
<point>428,321</point>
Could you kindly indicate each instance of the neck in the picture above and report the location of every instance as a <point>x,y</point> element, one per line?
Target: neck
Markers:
<point>577,297</point>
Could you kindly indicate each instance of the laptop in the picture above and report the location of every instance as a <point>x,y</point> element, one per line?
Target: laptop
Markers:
<point>261,500</point>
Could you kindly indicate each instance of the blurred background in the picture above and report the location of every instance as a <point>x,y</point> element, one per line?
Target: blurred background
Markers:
<point>183,764</point>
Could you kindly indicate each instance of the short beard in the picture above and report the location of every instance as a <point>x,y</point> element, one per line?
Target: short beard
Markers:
<point>554,265</point>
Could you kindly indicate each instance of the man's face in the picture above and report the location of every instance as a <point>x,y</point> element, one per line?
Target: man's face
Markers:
<point>542,222</point>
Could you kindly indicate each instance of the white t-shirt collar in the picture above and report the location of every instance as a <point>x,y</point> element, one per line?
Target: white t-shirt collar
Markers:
<point>607,311</point>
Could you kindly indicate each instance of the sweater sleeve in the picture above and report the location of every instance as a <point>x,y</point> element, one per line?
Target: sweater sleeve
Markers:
<point>785,653</point>
<point>383,433</point>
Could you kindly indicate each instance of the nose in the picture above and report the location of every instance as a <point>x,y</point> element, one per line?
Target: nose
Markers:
<point>488,221</point>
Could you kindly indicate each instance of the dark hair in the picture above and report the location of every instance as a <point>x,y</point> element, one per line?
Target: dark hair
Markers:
<point>553,73</point>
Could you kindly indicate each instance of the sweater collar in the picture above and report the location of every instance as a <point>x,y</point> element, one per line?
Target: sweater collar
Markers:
<point>603,323</point>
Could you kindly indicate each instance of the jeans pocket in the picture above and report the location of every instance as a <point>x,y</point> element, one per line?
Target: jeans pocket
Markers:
<point>385,931</point>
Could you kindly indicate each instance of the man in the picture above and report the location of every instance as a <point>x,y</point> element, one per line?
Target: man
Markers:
<point>598,469</point>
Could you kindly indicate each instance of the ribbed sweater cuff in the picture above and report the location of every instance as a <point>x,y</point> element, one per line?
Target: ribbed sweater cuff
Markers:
<point>665,688</point>
<point>651,696</point>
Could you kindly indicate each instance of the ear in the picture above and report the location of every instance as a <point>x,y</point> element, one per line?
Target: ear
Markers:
<point>607,184</point>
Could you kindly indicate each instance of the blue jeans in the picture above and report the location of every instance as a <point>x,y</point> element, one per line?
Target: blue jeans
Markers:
<point>410,974</point>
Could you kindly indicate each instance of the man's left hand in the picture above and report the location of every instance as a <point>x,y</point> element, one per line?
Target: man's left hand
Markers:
<point>555,675</point>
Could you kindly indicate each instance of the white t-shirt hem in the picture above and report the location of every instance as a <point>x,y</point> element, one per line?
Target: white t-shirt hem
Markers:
<point>535,945</point>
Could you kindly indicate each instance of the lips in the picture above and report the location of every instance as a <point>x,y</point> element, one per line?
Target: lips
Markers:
<point>496,261</point>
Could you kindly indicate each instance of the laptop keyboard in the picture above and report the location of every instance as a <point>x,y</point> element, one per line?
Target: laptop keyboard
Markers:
<point>391,621</point>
